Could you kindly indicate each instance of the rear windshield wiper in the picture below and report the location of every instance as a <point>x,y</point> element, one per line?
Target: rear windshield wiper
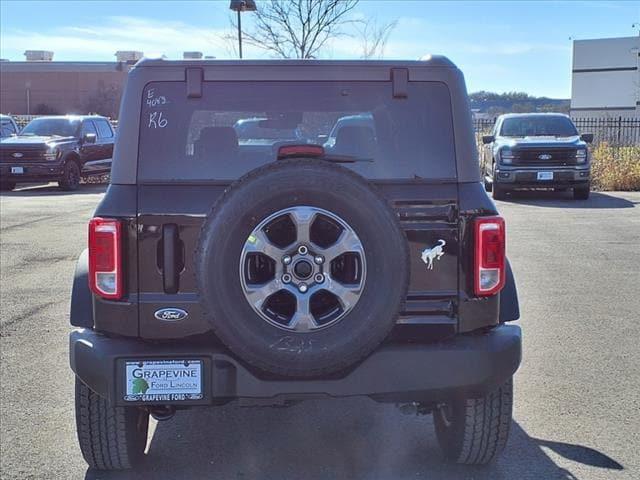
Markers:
<point>344,158</point>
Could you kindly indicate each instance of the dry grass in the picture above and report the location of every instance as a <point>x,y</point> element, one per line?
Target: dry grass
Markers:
<point>615,168</point>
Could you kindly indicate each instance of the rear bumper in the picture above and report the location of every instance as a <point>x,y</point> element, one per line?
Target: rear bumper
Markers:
<point>469,365</point>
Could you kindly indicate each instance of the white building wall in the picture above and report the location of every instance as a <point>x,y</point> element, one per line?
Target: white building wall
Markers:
<point>604,89</point>
<point>606,78</point>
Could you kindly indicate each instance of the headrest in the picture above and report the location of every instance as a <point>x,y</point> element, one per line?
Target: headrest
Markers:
<point>355,140</point>
<point>218,138</point>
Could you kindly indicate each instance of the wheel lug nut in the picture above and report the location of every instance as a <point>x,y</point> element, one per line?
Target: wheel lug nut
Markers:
<point>286,259</point>
<point>303,250</point>
<point>303,287</point>
<point>319,259</point>
<point>319,278</point>
<point>286,278</point>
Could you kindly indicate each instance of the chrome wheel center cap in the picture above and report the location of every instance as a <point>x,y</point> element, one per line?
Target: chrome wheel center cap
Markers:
<point>303,269</point>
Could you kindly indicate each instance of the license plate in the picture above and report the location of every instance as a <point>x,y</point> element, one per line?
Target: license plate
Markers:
<point>545,175</point>
<point>163,380</point>
<point>17,170</point>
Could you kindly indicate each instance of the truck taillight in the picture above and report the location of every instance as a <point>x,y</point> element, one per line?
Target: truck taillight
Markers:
<point>489,261</point>
<point>105,257</point>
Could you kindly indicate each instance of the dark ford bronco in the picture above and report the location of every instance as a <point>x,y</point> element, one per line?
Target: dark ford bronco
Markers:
<point>536,150</point>
<point>61,148</point>
<point>225,269</point>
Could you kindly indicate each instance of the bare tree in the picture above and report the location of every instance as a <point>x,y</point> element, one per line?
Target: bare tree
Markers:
<point>105,100</point>
<point>373,37</point>
<point>298,28</point>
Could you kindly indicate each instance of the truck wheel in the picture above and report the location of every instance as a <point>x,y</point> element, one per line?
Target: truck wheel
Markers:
<point>70,177</point>
<point>490,175</point>
<point>499,193</point>
<point>302,268</point>
<point>488,186</point>
<point>7,186</point>
<point>581,193</point>
<point>110,438</point>
<point>474,431</point>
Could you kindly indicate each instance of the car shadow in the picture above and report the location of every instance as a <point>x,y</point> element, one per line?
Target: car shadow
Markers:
<point>551,199</point>
<point>52,189</point>
<point>339,438</point>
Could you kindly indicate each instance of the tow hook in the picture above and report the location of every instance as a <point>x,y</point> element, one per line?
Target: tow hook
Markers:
<point>162,412</point>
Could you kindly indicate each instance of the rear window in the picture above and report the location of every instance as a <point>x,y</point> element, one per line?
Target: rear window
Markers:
<point>251,130</point>
<point>6,128</point>
<point>238,126</point>
<point>103,128</point>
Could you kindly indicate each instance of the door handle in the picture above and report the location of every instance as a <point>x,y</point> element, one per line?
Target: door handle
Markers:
<point>170,255</point>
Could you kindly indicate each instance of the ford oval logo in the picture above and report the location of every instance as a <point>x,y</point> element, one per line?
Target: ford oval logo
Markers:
<point>544,156</point>
<point>17,155</point>
<point>171,314</point>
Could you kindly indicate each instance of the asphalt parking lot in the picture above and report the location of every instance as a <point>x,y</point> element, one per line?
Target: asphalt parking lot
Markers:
<point>577,406</point>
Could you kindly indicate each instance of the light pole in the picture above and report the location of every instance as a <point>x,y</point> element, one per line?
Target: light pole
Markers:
<point>636,51</point>
<point>242,6</point>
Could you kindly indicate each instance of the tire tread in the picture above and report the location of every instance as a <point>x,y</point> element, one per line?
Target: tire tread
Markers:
<point>487,423</point>
<point>106,434</point>
<point>357,354</point>
<point>483,430</point>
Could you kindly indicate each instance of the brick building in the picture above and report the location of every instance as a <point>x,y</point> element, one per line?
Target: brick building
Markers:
<point>41,85</point>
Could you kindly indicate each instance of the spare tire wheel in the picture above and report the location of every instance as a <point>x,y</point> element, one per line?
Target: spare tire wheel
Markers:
<point>302,268</point>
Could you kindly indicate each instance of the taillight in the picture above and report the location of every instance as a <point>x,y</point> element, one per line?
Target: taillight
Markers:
<point>305,150</point>
<point>105,257</point>
<point>489,255</point>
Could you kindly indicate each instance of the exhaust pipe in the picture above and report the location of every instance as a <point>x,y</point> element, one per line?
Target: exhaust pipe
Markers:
<point>162,412</point>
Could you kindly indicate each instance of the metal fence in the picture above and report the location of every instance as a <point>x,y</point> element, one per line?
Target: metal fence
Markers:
<point>22,120</point>
<point>619,131</point>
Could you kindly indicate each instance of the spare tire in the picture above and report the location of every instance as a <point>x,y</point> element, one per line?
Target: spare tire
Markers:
<point>302,268</point>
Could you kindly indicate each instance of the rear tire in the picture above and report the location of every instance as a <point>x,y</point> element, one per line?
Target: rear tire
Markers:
<point>581,193</point>
<point>474,431</point>
<point>309,184</point>
<point>499,193</point>
<point>70,180</point>
<point>488,186</point>
<point>110,438</point>
<point>7,186</point>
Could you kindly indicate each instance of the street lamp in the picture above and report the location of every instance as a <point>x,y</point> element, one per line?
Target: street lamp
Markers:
<point>242,6</point>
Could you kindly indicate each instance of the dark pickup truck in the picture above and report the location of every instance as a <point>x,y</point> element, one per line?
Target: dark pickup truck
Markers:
<point>536,150</point>
<point>60,148</point>
<point>267,271</point>
<point>8,126</point>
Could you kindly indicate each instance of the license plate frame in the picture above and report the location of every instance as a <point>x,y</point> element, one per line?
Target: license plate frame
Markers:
<point>17,170</point>
<point>163,380</point>
<point>545,176</point>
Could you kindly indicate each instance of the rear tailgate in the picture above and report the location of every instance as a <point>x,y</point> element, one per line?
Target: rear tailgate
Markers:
<point>187,156</point>
<point>427,213</point>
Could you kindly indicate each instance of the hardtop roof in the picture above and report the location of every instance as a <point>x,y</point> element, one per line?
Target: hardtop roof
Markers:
<point>427,61</point>
<point>194,73</point>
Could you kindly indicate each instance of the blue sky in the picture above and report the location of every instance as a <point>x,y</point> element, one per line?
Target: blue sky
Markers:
<point>500,46</point>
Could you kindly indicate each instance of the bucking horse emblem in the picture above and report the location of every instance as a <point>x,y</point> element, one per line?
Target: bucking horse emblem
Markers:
<point>434,253</point>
